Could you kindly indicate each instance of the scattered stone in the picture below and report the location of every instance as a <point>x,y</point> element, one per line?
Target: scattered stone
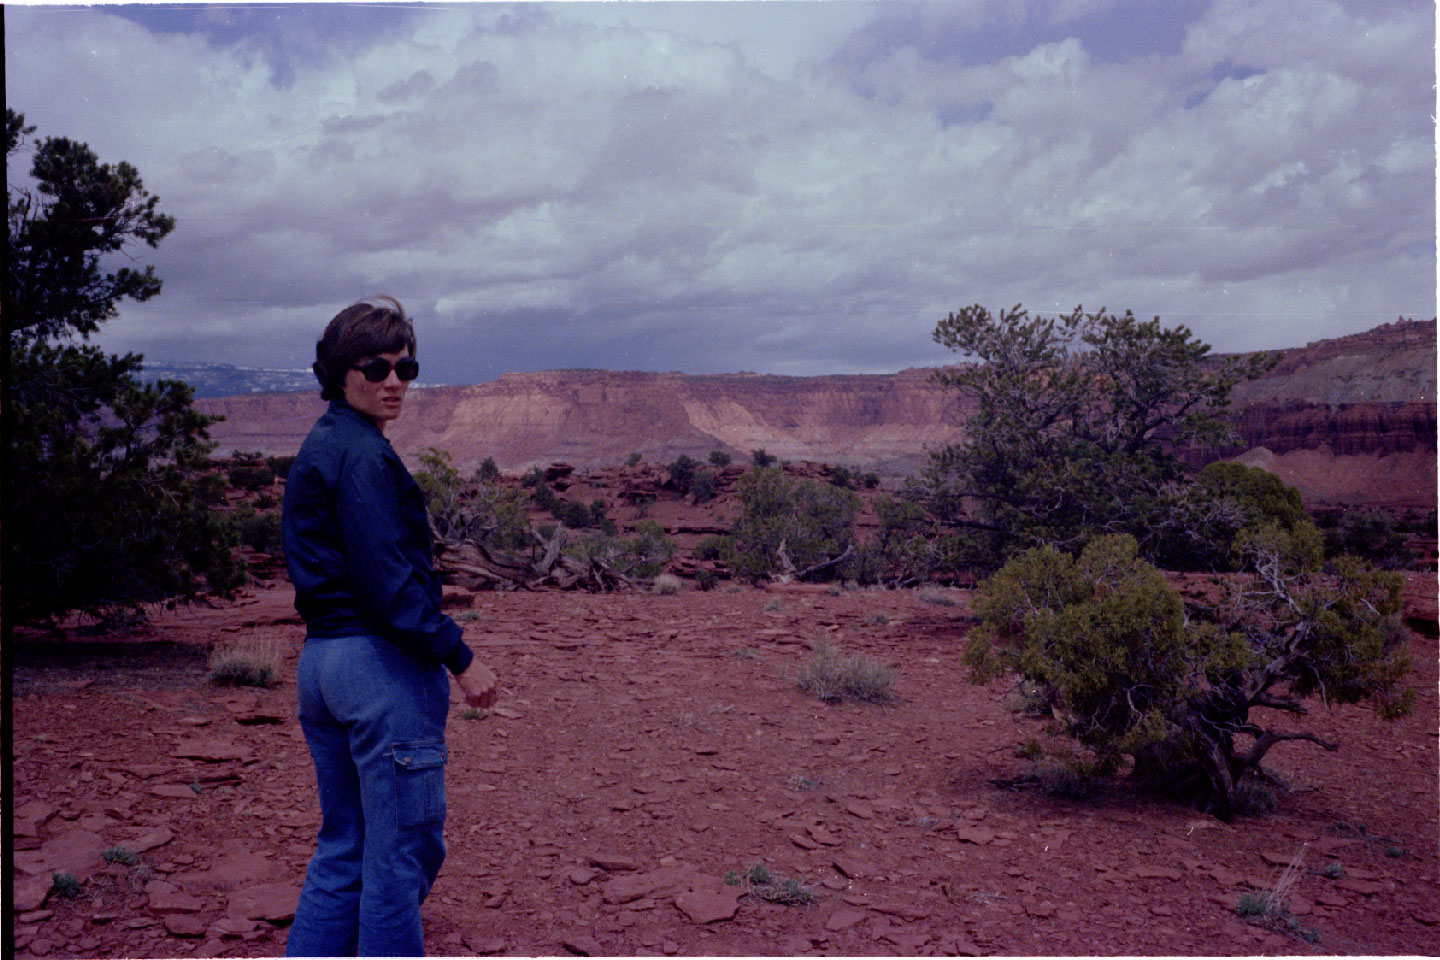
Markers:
<point>905,911</point>
<point>274,902</point>
<point>165,898</point>
<point>804,843</point>
<point>149,840</point>
<point>174,791</point>
<point>35,916</point>
<point>974,834</point>
<point>1329,898</point>
<point>143,771</point>
<point>794,946</point>
<point>1040,911</point>
<point>1428,916</point>
<point>1154,872</point>
<point>859,808</point>
<point>1366,888</point>
<point>209,751</point>
<point>843,919</point>
<point>1276,859</point>
<point>964,947</point>
<point>613,862</point>
<point>180,925</point>
<point>76,852</point>
<point>583,946</point>
<point>820,835</point>
<point>30,893</point>
<point>853,867</point>
<point>483,946</point>
<point>257,717</point>
<point>236,867</point>
<point>661,882</point>
<point>583,875</point>
<point>709,904</point>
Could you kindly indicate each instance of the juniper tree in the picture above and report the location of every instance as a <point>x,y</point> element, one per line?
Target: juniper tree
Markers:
<point>108,501</point>
<point>1077,424</point>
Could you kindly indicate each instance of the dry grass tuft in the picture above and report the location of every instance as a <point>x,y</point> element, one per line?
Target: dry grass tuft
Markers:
<point>246,663</point>
<point>833,678</point>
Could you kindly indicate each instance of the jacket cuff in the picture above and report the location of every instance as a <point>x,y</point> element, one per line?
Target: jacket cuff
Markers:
<point>458,657</point>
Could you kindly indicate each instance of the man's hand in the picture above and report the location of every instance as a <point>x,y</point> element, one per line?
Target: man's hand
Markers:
<point>478,683</point>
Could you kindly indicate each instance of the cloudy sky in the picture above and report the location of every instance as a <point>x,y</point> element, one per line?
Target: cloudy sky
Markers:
<point>784,187</point>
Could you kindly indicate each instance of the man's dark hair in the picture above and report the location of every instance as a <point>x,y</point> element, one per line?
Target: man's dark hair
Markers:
<point>365,329</point>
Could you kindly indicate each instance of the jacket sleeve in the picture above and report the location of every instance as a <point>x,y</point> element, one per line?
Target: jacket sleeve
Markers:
<point>397,593</point>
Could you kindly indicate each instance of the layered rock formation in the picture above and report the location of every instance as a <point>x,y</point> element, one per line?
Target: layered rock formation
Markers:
<point>1345,420</point>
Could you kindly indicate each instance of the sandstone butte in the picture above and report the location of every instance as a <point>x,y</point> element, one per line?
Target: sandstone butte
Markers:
<point>1349,420</point>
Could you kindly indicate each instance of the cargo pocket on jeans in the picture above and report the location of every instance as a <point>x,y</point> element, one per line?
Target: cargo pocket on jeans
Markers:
<point>420,782</point>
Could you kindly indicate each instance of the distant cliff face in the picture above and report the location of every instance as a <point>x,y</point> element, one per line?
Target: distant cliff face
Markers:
<point>1328,418</point>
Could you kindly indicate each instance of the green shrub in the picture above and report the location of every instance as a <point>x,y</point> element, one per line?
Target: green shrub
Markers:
<point>260,531</point>
<point>1371,535</point>
<point>280,465</point>
<point>706,579</point>
<point>251,476</point>
<point>761,459</point>
<point>870,480</point>
<point>833,678</point>
<point>488,470</point>
<point>841,476</point>
<point>543,496</point>
<point>710,547</point>
<point>666,584</point>
<point>1334,870</point>
<point>633,460</point>
<point>532,477</point>
<point>569,512</point>
<point>796,528</point>
<point>64,886</point>
<point>1252,905</point>
<point>719,459</point>
<point>1114,651</point>
<point>682,473</point>
<point>121,855</point>
<point>704,487</point>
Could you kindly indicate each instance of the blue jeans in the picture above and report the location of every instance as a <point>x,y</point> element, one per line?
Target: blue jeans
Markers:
<point>374,717</point>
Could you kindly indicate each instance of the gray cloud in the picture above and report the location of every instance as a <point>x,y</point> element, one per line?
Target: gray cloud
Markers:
<point>784,187</point>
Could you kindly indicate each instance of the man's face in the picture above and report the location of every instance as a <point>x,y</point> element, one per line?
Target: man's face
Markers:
<point>381,401</point>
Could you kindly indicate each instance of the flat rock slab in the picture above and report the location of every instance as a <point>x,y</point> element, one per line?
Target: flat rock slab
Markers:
<point>210,751</point>
<point>710,903</point>
<point>610,861</point>
<point>235,869</point>
<point>166,898</point>
<point>973,833</point>
<point>274,902</point>
<point>76,852</point>
<point>843,919</point>
<point>149,840</point>
<point>30,893</point>
<point>666,881</point>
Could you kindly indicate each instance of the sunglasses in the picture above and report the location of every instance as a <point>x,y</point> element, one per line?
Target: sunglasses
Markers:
<point>378,369</point>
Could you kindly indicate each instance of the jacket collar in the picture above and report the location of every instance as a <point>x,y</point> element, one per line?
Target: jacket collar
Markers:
<point>342,409</point>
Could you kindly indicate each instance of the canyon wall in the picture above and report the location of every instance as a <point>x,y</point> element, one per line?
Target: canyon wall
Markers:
<point>1347,420</point>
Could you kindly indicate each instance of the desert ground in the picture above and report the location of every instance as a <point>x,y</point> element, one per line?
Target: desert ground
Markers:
<point>647,748</point>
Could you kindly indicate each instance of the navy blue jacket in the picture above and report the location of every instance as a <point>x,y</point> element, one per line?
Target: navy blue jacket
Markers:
<point>357,542</point>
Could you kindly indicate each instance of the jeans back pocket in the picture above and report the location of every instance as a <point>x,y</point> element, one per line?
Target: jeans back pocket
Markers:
<point>420,782</point>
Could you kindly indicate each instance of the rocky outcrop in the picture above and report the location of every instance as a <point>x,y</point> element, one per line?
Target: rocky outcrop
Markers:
<point>1353,401</point>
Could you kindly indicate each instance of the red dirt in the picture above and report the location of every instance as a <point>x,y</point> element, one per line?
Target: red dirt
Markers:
<point>644,746</point>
